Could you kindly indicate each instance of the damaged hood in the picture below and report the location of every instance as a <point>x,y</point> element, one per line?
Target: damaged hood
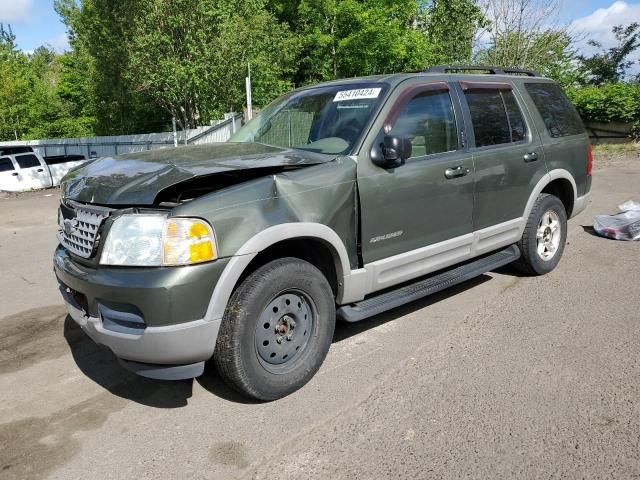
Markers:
<point>137,178</point>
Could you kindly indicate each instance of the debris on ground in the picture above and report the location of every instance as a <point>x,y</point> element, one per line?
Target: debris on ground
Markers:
<point>621,226</point>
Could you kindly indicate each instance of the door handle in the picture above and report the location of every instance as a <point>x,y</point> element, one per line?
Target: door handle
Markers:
<point>530,157</point>
<point>41,169</point>
<point>456,172</point>
<point>14,174</point>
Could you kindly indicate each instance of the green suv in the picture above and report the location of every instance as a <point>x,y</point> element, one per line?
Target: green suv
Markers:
<point>340,200</point>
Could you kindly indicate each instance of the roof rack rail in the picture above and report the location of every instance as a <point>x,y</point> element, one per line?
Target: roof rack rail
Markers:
<point>483,68</point>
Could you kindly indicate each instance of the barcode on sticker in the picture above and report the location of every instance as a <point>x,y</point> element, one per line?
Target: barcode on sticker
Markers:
<point>359,94</point>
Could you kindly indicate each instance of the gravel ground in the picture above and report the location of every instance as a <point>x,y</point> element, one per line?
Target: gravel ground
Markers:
<point>502,377</point>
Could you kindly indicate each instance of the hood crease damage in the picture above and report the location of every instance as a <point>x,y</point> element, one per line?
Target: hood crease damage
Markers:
<point>174,176</point>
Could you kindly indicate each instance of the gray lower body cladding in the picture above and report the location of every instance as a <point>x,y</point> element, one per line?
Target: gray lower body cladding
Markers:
<point>152,316</point>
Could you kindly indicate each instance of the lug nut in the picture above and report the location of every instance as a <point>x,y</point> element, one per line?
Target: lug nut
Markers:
<point>289,337</point>
<point>279,340</point>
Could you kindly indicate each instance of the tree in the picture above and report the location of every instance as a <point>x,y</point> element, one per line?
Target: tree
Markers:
<point>48,113</point>
<point>451,26</point>
<point>611,65</point>
<point>31,104</point>
<point>100,33</point>
<point>346,38</point>
<point>383,41</point>
<point>518,33</point>
<point>13,84</point>
<point>191,57</point>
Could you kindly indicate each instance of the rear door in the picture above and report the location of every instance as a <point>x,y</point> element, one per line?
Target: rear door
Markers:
<point>9,180</point>
<point>507,154</point>
<point>33,174</point>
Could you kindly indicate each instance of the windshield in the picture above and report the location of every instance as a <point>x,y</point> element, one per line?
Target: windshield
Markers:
<point>324,120</point>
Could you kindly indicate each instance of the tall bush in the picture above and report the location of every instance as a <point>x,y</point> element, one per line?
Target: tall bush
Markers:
<point>613,102</point>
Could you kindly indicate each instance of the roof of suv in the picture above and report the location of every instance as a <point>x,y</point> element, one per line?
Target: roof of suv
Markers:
<point>461,72</point>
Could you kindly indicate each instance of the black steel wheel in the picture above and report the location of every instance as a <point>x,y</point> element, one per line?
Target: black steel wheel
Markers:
<point>284,329</point>
<point>277,329</point>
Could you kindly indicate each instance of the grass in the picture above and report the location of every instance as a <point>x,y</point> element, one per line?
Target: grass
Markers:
<point>613,148</point>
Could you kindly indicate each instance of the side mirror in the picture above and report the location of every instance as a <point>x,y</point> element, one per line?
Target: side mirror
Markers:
<point>395,150</point>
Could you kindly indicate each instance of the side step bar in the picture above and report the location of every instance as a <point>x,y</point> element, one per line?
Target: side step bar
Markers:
<point>428,286</point>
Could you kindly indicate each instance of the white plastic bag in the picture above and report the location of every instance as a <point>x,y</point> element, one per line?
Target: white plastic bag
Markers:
<point>629,205</point>
<point>622,226</point>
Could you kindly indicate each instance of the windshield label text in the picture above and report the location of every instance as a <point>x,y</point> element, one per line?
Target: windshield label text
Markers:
<point>359,94</point>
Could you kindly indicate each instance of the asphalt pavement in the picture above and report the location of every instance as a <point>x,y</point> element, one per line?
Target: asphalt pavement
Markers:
<point>502,377</point>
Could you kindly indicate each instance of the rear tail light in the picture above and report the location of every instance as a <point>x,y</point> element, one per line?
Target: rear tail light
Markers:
<point>590,160</point>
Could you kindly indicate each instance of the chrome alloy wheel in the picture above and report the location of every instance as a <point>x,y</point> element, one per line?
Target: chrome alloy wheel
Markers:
<point>284,329</point>
<point>548,235</point>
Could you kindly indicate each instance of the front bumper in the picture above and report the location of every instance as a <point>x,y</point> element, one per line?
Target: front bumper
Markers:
<point>145,316</point>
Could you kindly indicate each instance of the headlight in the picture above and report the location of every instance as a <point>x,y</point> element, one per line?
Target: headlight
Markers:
<point>155,240</point>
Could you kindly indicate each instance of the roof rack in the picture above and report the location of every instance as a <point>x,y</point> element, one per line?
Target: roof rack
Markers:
<point>483,68</point>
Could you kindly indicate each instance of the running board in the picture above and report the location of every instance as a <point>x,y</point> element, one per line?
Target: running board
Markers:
<point>428,286</point>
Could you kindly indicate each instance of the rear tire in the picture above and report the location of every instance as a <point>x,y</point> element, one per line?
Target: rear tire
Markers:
<point>544,237</point>
<point>276,330</point>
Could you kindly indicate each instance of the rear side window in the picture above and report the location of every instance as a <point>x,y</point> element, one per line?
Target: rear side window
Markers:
<point>6,165</point>
<point>495,116</point>
<point>559,116</point>
<point>27,161</point>
<point>429,121</point>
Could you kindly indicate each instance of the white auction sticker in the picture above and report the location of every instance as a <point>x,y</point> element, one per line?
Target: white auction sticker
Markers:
<point>359,94</point>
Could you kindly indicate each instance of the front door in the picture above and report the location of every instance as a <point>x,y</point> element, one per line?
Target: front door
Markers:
<point>428,200</point>
<point>32,173</point>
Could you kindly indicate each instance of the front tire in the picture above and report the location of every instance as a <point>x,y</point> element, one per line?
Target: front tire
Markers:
<point>276,330</point>
<point>544,237</point>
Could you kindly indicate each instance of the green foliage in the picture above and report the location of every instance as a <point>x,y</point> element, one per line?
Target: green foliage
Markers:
<point>354,38</point>
<point>133,64</point>
<point>191,58</point>
<point>613,102</point>
<point>350,38</point>
<point>31,103</point>
<point>450,26</point>
<point>611,65</point>
<point>100,36</point>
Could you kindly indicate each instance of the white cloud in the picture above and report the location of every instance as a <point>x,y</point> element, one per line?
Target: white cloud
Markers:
<point>598,25</point>
<point>59,43</point>
<point>15,10</point>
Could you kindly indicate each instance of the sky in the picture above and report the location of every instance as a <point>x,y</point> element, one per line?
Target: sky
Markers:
<point>36,23</point>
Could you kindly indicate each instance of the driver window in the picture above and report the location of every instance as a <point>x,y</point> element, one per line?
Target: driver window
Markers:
<point>429,122</point>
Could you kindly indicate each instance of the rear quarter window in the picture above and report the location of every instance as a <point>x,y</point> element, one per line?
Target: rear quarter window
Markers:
<point>6,165</point>
<point>558,114</point>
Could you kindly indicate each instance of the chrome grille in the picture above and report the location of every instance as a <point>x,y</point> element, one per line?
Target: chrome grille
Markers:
<point>78,226</point>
